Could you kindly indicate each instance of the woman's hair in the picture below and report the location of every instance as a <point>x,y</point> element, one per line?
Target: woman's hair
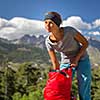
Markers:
<point>57,15</point>
<point>54,16</point>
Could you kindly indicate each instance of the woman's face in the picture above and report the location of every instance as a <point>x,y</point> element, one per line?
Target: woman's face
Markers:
<point>50,25</point>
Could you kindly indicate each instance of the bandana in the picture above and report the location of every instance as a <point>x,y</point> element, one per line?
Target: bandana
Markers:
<point>54,18</point>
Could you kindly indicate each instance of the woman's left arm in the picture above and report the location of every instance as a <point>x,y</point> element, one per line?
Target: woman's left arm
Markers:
<point>81,39</point>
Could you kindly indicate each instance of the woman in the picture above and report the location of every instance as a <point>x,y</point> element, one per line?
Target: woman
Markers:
<point>72,46</point>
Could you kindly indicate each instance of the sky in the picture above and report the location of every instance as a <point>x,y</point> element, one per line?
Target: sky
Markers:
<point>13,13</point>
<point>35,9</point>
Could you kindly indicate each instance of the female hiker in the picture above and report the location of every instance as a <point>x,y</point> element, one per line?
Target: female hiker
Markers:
<point>72,46</point>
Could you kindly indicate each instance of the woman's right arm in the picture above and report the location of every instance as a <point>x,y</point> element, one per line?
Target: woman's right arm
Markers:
<point>54,59</point>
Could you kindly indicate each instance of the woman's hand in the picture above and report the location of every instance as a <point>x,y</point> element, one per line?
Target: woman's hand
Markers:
<point>74,62</point>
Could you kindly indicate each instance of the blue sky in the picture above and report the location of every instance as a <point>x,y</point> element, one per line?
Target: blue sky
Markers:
<point>88,10</point>
<point>20,17</point>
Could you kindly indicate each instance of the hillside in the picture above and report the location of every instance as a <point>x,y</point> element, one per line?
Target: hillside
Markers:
<point>32,48</point>
<point>24,67</point>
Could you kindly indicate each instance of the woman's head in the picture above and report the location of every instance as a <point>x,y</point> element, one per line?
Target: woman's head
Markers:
<point>52,19</point>
<point>54,16</point>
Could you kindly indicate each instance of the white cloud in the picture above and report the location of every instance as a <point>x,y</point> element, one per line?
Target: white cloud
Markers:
<point>3,22</point>
<point>96,23</point>
<point>94,33</point>
<point>76,22</point>
<point>17,27</point>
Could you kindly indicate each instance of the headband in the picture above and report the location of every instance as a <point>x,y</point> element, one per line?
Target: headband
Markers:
<point>54,18</point>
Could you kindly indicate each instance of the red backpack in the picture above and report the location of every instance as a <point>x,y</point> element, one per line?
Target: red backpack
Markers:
<point>58,86</point>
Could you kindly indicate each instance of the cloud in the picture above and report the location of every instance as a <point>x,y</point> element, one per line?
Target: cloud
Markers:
<point>94,33</point>
<point>96,23</point>
<point>77,22</point>
<point>17,27</point>
<point>3,22</point>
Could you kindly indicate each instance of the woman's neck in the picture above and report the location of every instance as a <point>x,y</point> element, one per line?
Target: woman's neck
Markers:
<point>57,35</point>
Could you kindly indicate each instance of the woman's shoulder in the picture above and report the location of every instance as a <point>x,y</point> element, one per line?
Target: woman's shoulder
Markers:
<point>69,28</point>
<point>72,30</point>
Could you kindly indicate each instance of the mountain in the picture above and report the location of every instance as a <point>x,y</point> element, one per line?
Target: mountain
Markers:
<point>27,39</point>
<point>32,48</point>
<point>6,45</point>
<point>23,50</point>
<point>93,36</point>
<point>94,43</point>
<point>31,40</point>
<point>40,41</point>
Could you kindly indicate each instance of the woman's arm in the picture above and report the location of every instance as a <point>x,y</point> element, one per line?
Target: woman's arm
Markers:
<point>54,59</point>
<point>81,39</point>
